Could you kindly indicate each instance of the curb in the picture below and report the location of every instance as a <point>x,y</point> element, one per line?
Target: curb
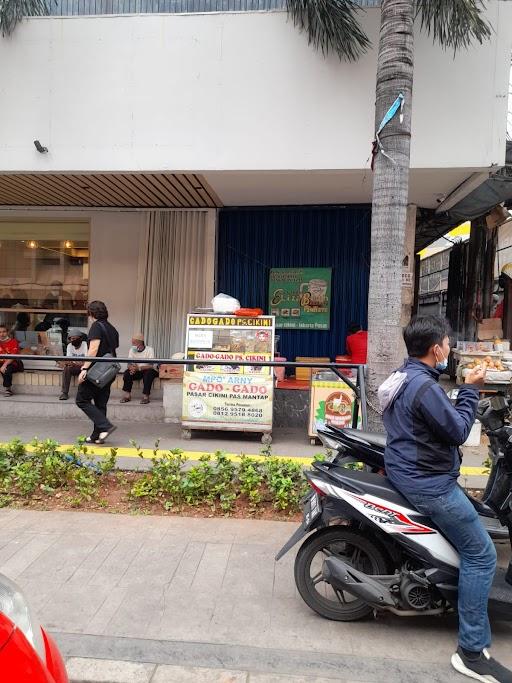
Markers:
<point>147,454</point>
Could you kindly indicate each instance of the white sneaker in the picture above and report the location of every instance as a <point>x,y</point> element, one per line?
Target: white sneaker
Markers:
<point>485,668</point>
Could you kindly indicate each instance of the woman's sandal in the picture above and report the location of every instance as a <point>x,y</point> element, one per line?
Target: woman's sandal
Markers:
<point>125,399</point>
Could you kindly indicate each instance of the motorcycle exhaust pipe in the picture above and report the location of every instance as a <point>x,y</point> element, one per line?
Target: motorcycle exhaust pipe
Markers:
<point>342,576</point>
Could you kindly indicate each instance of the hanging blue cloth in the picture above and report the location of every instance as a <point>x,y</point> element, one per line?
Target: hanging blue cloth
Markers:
<point>398,104</point>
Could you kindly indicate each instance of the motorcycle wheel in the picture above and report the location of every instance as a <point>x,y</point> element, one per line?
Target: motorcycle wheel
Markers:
<point>319,595</point>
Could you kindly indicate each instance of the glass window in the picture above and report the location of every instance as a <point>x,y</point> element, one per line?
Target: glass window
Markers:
<point>44,275</point>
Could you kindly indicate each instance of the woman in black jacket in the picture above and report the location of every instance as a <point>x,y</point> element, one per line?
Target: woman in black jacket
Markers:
<point>103,339</point>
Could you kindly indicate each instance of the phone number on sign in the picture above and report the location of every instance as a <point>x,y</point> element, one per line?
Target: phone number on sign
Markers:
<point>220,411</point>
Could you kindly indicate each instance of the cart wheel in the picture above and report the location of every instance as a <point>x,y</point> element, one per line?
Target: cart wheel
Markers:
<point>266,438</point>
<point>186,434</point>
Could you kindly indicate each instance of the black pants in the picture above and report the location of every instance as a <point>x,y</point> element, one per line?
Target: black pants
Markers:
<point>147,376</point>
<point>9,371</point>
<point>68,371</point>
<point>93,401</point>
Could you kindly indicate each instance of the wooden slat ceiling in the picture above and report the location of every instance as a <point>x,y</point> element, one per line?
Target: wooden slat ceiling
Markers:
<point>122,190</point>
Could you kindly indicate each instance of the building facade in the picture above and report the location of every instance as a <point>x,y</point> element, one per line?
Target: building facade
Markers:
<point>164,128</point>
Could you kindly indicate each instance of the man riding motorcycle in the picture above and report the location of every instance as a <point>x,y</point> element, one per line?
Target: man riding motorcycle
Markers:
<point>424,431</point>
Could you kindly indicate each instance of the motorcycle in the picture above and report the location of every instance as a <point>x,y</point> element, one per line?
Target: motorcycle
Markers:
<point>353,445</point>
<point>368,550</point>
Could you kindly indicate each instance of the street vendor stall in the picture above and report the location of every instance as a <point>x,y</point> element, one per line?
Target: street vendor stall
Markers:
<point>496,361</point>
<point>228,397</point>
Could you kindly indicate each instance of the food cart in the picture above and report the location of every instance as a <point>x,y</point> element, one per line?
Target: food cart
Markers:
<point>498,364</point>
<point>228,397</point>
<point>332,402</point>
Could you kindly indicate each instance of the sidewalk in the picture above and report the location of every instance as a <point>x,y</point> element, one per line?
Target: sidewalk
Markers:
<point>288,442</point>
<point>207,593</point>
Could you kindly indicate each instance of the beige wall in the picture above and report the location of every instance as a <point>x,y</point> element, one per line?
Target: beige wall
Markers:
<point>115,238</point>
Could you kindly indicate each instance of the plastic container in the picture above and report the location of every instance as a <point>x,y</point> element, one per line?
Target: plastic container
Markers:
<point>474,435</point>
<point>279,372</point>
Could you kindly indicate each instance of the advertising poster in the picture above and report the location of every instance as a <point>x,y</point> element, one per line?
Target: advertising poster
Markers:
<point>300,298</point>
<point>234,399</point>
<point>332,403</point>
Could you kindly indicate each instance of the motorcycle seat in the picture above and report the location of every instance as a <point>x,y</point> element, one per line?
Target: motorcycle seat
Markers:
<point>369,483</point>
<point>371,438</point>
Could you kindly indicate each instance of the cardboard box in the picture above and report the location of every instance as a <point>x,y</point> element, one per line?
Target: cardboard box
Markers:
<point>304,374</point>
<point>490,328</point>
<point>167,371</point>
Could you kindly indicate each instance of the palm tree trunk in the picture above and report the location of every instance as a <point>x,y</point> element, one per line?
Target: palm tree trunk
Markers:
<point>390,196</point>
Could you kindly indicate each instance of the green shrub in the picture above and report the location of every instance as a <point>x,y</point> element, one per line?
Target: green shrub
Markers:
<point>250,477</point>
<point>172,481</point>
<point>286,483</point>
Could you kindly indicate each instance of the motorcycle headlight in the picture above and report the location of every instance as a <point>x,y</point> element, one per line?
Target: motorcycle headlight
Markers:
<point>15,606</point>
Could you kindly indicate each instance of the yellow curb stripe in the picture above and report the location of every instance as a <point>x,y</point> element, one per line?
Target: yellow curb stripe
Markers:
<point>147,453</point>
<point>474,471</point>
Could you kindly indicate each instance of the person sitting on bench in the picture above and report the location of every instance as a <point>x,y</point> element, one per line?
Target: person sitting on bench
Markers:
<point>76,348</point>
<point>9,346</point>
<point>146,372</point>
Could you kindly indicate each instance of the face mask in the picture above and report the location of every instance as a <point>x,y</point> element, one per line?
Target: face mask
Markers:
<point>77,344</point>
<point>137,348</point>
<point>443,364</point>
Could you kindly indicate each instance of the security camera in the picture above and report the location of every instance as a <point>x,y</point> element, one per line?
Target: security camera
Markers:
<point>40,148</point>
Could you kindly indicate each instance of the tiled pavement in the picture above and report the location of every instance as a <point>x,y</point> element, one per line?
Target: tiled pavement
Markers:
<point>187,592</point>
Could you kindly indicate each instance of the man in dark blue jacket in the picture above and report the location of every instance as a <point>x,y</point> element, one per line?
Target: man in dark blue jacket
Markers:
<point>423,461</point>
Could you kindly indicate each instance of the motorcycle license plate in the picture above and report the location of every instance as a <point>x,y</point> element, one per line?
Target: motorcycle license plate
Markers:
<point>312,510</point>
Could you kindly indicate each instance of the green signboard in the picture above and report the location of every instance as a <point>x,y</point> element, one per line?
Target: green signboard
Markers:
<point>300,298</point>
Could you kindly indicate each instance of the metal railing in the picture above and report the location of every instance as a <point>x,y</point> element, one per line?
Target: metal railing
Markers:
<point>66,8</point>
<point>358,386</point>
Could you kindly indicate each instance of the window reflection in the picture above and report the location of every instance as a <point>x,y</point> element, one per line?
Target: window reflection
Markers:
<point>44,281</point>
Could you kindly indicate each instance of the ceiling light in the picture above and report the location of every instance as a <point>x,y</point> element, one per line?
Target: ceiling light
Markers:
<point>31,244</point>
<point>68,244</point>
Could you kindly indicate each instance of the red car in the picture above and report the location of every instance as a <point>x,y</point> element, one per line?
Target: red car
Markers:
<point>27,653</point>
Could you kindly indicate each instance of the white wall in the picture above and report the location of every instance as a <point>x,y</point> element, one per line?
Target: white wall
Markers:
<point>232,92</point>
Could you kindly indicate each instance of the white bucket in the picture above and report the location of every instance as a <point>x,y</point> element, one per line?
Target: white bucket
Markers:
<point>474,435</point>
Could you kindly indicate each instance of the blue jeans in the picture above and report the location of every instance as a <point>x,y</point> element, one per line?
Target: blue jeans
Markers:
<point>454,515</point>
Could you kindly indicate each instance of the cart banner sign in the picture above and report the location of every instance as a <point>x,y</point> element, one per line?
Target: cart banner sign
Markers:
<point>210,358</point>
<point>239,399</point>
<point>332,403</point>
<point>300,298</point>
<point>228,321</point>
